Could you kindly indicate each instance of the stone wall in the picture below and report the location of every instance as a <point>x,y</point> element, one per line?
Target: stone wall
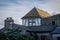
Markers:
<point>51,21</point>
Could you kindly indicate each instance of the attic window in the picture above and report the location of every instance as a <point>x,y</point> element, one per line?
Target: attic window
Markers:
<point>53,22</point>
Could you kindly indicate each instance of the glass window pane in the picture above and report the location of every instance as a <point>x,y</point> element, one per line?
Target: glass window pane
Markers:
<point>26,21</point>
<point>23,22</point>
<point>38,23</point>
<point>34,22</point>
<point>30,24</point>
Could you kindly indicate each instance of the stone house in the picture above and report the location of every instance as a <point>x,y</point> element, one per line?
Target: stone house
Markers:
<point>37,23</point>
<point>42,25</point>
<point>9,26</point>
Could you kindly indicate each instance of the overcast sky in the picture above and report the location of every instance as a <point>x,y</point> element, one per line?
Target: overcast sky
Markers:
<point>18,8</point>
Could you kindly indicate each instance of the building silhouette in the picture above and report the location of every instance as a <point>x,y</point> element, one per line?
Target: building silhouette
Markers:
<point>9,26</point>
<point>9,22</point>
<point>37,23</point>
<point>42,25</point>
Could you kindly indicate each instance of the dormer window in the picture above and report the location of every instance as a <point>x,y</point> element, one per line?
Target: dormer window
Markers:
<point>32,22</point>
<point>33,18</point>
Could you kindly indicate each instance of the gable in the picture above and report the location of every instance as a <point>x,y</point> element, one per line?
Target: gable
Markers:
<point>36,13</point>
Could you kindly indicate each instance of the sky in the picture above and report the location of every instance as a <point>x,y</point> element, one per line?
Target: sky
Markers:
<point>18,8</point>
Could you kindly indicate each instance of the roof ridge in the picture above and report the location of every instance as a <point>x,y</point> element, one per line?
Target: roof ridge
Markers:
<point>39,10</point>
<point>35,12</point>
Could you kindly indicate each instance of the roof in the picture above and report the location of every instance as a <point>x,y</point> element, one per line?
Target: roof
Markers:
<point>41,28</point>
<point>35,12</point>
<point>15,26</point>
<point>57,30</point>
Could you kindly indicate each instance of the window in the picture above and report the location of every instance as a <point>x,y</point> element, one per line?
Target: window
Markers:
<point>34,22</point>
<point>58,38</point>
<point>44,38</point>
<point>53,22</point>
<point>30,22</point>
<point>25,22</point>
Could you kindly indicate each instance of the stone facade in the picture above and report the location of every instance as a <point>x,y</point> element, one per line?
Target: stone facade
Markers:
<point>49,28</point>
<point>51,21</point>
<point>38,24</point>
<point>10,25</point>
<point>8,22</point>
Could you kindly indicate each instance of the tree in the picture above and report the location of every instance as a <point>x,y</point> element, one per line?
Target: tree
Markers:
<point>14,35</point>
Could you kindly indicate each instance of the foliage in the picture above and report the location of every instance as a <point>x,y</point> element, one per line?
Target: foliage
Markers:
<point>14,35</point>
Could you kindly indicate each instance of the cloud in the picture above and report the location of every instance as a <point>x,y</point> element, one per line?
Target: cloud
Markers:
<point>50,6</point>
<point>55,5</point>
<point>18,8</point>
<point>13,10</point>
